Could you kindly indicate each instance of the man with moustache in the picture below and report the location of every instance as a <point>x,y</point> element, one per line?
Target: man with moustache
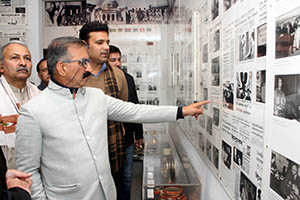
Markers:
<point>62,133</point>
<point>15,90</point>
<point>113,83</point>
<point>42,71</point>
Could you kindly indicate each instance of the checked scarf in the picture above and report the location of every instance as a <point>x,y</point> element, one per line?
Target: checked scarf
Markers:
<point>117,151</point>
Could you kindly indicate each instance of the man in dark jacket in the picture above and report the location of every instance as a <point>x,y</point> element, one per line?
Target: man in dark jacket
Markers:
<point>130,128</point>
<point>14,185</point>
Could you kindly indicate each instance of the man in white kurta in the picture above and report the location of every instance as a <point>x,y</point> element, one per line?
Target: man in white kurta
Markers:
<point>15,90</point>
<point>63,131</point>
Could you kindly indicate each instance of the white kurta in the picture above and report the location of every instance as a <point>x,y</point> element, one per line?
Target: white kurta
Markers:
<point>67,139</point>
<point>8,106</point>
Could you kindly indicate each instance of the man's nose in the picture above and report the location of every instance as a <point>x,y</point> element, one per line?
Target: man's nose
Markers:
<point>106,46</point>
<point>22,61</point>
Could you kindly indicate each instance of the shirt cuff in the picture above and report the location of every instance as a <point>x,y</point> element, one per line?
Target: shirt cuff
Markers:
<point>179,113</point>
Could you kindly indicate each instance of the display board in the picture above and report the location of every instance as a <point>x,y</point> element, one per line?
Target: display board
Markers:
<point>13,21</point>
<point>248,133</point>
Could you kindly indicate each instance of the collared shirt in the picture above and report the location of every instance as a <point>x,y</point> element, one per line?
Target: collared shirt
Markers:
<point>21,95</point>
<point>101,70</point>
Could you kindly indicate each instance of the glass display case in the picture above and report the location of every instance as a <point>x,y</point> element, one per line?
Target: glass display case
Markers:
<point>168,173</point>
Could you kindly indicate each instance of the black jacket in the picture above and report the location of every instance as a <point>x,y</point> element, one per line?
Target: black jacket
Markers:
<point>132,128</point>
<point>13,193</point>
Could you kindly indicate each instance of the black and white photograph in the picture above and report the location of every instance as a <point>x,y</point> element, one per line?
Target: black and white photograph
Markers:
<point>65,13</point>
<point>138,74</point>
<point>262,40</point>
<point>216,157</point>
<point>152,87</point>
<point>238,156</point>
<point>226,154</point>
<point>209,125</point>
<point>288,34</point>
<point>208,149</point>
<point>215,71</point>
<point>128,12</point>
<point>216,40</point>
<point>261,86</point>
<point>226,4</point>
<point>216,116</point>
<point>247,188</point>
<point>201,119</point>
<point>214,9</point>
<point>244,85</point>
<point>284,177</point>
<point>201,142</point>
<point>5,3</point>
<point>287,96</point>
<point>228,95</point>
<point>247,45</point>
<point>205,96</point>
<point>152,101</point>
<point>205,53</point>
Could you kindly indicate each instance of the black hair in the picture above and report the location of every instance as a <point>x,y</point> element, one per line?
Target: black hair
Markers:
<point>91,27</point>
<point>114,49</point>
<point>38,65</point>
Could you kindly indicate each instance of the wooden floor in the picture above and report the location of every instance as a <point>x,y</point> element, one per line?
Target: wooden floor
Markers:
<point>137,180</point>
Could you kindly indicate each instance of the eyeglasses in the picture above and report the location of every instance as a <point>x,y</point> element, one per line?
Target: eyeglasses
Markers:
<point>83,62</point>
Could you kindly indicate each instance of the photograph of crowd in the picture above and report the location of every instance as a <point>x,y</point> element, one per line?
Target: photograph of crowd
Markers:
<point>288,34</point>
<point>244,85</point>
<point>247,188</point>
<point>284,177</point>
<point>226,154</point>
<point>65,13</point>
<point>261,86</point>
<point>215,71</point>
<point>127,12</point>
<point>228,95</point>
<point>247,45</point>
<point>152,101</point>
<point>287,96</point>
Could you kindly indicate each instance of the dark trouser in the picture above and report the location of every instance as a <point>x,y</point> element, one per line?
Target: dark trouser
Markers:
<point>124,187</point>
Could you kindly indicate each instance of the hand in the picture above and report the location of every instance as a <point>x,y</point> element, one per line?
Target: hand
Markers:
<point>138,143</point>
<point>194,109</point>
<point>15,178</point>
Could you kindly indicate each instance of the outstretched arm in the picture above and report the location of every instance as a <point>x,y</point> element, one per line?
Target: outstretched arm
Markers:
<point>194,109</point>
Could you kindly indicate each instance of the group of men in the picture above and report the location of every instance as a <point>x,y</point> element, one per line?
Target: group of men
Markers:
<point>65,142</point>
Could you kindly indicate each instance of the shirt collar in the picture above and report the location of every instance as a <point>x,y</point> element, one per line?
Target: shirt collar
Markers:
<point>72,90</point>
<point>17,90</point>
<point>101,70</point>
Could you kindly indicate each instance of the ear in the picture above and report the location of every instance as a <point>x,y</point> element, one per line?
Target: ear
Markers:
<point>61,68</point>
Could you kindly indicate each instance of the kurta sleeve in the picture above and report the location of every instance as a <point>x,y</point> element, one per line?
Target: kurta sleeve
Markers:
<point>119,110</point>
<point>28,153</point>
